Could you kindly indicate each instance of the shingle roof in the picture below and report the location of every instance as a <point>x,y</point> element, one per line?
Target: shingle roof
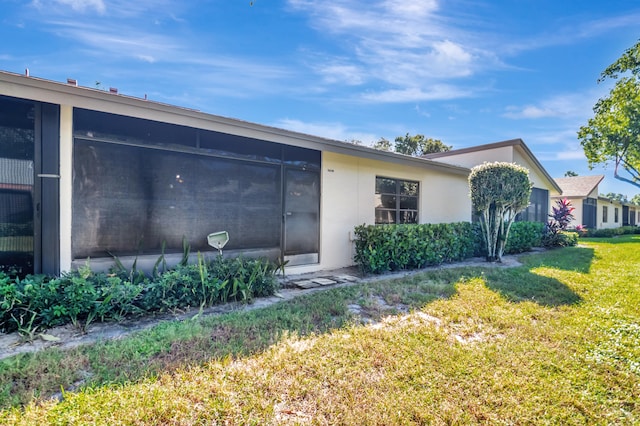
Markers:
<point>578,186</point>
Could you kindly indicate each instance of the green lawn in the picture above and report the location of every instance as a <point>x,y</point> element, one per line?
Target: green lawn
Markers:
<point>556,341</point>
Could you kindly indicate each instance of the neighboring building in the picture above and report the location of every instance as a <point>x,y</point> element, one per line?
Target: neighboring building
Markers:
<point>630,214</point>
<point>609,213</point>
<point>106,174</point>
<point>582,191</point>
<point>591,210</point>
<point>511,151</point>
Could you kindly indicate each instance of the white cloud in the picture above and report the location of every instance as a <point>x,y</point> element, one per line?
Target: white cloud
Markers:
<point>414,8</point>
<point>410,45</point>
<point>415,94</point>
<point>343,73</point>
<point>563,106</point>
<point>335,131</point>
<point>75,5</point>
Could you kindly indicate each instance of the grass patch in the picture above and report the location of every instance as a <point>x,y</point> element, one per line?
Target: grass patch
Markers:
<point>554,341</point>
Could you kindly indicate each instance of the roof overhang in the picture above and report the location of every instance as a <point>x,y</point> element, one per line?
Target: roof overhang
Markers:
<point>517,144</point>
<point>42,90</point>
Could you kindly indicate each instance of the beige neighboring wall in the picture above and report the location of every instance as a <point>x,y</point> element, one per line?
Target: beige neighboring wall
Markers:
<point>538,180</point>
<point>473,158</point>
<point>578,212</point>
<point>348,200</point>
<point>512,151</point>
<point>611,206</point>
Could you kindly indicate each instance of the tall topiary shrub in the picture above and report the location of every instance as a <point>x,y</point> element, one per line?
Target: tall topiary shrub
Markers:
<point>499,191</point>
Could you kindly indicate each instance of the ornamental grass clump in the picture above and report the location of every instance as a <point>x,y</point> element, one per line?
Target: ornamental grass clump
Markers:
<point>499,191</point>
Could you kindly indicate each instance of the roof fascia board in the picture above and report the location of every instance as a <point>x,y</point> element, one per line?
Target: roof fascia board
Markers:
<point>42,90</point>
<point>517,143</point>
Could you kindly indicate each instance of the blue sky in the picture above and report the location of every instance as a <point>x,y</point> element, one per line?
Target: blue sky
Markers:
<point>466,72</point>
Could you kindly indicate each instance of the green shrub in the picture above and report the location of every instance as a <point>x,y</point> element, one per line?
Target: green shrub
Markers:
<point>381,248</point>
<point>523,236</point>
<point>560,239</point>
<point>630,229</point>
<point>81,297</point>
<point>612,232</point>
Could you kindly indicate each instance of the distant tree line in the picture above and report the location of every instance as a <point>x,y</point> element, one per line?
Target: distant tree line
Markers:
<point>416,145</point>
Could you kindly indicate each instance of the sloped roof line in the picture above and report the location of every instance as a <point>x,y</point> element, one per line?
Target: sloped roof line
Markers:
<point>579,186</point>
<point>64,92</point>
<point>511,142</point>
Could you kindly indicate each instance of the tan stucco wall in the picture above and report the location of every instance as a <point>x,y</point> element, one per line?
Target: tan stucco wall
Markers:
<point>348,200</point>
<point>503,154</point>
<point>610,215</point>
<point>471,159</point>
<point>348,181</point>
<point>577,213</point>
<point>538,180</point>
<point>66,185</point>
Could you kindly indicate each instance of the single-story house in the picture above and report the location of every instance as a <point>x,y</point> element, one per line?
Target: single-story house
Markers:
<point>592,210</point>
<point>96,174</point>
<point>510,151</point>
<point>582,192</point>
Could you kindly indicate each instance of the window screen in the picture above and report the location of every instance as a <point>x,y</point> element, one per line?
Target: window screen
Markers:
<point>132,199</point>
<point>17,149</point>
<point>538,209</point>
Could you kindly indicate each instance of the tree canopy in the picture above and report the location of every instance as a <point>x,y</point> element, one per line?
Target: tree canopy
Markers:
<point>416,146</point>
<point>615,197</point>
<point>499,191</point>
<point>613,134</point>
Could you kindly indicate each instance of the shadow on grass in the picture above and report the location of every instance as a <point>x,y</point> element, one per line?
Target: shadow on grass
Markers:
<point>178,344</point>
<point>577,259</point>
<point>518,286</point>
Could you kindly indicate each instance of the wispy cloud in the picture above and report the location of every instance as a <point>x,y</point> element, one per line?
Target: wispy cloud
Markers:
<point>416,94</point>
<point>411,46</point>
<point>571,31</point>
<point>335,131</point>
<point>75,5</point>
<point>149,39</point>
<point>113,8</point>
<point>564,107</point>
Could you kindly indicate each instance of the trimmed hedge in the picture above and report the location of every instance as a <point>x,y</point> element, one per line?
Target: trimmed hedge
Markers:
<point>612,232</point>
<point>383,248</point>
<point>523,236</point>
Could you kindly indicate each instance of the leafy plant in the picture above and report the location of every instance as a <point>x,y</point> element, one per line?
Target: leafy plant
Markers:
<point>25,323</point>
<point>381,248</point>
<point>499,191</point>
<point>561,216</point>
